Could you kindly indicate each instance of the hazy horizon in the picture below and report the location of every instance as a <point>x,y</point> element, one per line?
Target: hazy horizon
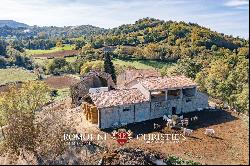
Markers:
<point>225,16</point>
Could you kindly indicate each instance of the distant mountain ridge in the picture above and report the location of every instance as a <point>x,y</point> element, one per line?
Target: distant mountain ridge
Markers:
<point>12,24</point>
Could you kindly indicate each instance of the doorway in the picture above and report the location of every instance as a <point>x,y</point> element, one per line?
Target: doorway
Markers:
<point>173,110</point>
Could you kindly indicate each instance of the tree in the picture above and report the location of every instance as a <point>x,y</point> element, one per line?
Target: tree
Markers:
<point>57,66</point>
<point>92,66</point>
<point>3,45</point>
<point>108,66</point>
<point>59,44</point>
<point>188,67</point>
<point>214,48</point>
<point>49,142</point>
<point>19,107</point>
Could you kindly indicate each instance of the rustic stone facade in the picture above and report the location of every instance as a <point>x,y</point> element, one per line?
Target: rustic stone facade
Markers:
<point>143,101</point>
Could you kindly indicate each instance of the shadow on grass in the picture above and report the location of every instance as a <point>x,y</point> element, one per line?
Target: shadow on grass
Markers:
<point>205,119</point>
<point>208,118</point>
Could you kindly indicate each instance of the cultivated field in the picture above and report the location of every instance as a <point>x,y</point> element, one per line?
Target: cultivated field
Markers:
<point>60,82</point>
<point>57,54</point>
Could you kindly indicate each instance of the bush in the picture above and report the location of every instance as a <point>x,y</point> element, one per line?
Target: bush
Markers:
<point>57,66</point>
<point>173,160</point>
<point>92,66</point>
<point>18,107</point>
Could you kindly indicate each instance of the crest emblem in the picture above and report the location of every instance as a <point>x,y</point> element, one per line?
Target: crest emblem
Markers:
<point>122,136</point>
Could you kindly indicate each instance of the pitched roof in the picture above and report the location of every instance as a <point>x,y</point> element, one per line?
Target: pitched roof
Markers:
<point>158,83</point>
<point>117,97</point>
<point>129,76</point>
<point>95,73</point>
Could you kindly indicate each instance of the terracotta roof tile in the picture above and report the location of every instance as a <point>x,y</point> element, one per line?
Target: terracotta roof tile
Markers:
<point>158,83</point>
<point>117,97</point>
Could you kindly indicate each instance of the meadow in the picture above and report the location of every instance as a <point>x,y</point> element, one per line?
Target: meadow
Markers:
<point>15,74</point>
<point>142,64</point>
<point>44,61</point>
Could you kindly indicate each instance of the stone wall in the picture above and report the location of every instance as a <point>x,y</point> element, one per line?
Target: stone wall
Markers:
<point>150,110</point>
<point>190,104</point>
<point>201,100</point>
<point>175,103</point>
<point>137,113</point>
<point>142,111</point>
<point>158,109</point>
<point>112,115</point>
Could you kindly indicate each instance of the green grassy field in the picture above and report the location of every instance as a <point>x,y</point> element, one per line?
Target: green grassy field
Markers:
<point>45,61</point>
<point>15,74</point>
<point>42,61</point>
<point>142,64</point>
<point>54,49</point>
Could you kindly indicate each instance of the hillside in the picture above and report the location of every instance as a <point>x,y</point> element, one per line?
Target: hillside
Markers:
<point>169,36</point>
<point>218,62</point>
<point>48,60</point>
<point>51,32</point>
<point>12,24</point>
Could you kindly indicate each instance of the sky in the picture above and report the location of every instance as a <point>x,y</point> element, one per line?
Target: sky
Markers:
<point>225,16</point>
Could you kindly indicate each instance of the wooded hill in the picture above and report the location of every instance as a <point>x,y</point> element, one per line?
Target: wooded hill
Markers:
<point>49,32</point>
<point>13,24</point>
<point>218,62</point>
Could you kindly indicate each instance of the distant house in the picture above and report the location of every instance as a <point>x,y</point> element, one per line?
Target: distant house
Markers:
<point>148,98</point>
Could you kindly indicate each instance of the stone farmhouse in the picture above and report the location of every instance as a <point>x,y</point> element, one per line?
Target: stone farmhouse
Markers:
<point>144,99</point>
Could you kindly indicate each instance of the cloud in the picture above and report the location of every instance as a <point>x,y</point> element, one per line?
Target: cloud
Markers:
<point>227,16</point>
<point>237,3</point>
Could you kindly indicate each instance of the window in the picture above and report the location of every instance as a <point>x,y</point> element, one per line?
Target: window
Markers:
<point>189,92</point>
<point>173,110</point>
<point>158,104</point>
<point>158,96</point>
<point>126,109</point>
<point>174,94</point>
